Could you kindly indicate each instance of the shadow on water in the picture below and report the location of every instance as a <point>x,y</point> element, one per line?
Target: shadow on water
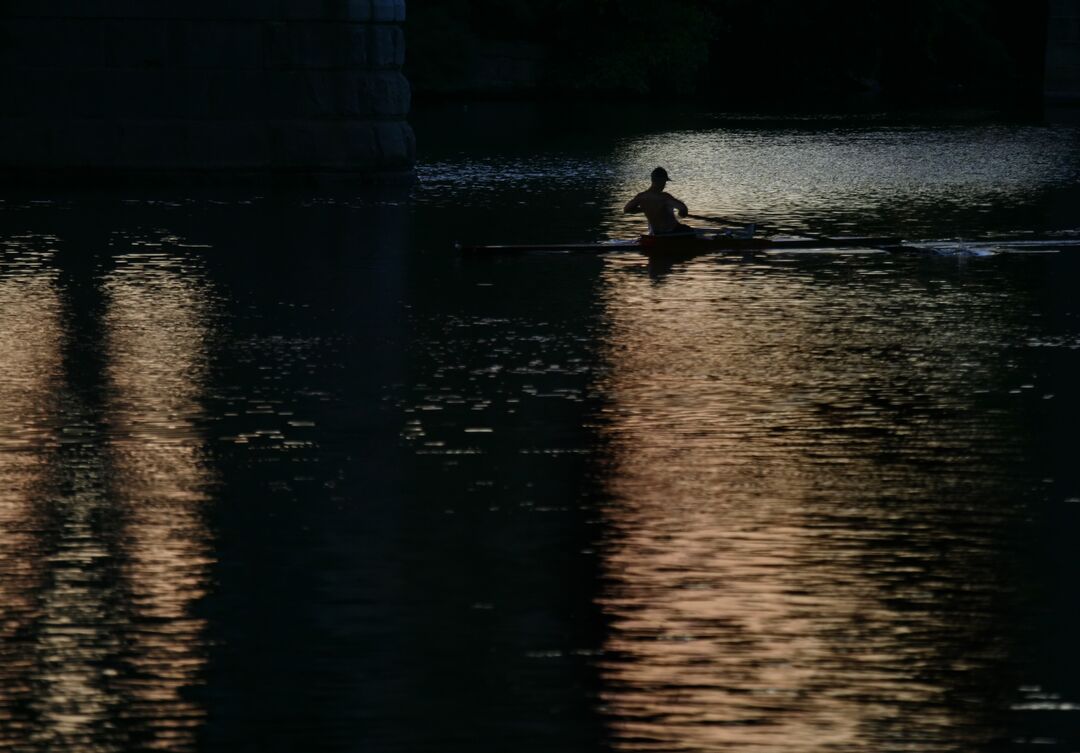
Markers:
<point>222,502</point>
<point>124,413</point>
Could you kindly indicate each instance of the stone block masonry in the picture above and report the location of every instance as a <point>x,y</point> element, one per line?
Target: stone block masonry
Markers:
<point>217,89</point>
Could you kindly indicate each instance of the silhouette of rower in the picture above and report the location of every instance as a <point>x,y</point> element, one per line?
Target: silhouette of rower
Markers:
<point>659,207</point>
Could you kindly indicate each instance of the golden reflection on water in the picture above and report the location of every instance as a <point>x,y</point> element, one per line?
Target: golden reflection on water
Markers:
<point>782,570</point>
<point>30,361</point>
<point>103,549</point>
<point>156,340</point>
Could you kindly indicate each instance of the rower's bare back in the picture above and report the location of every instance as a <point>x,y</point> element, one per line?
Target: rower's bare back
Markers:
<point>659,208</point>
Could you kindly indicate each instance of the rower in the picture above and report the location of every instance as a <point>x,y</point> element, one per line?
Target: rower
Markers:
<point>659,207</point>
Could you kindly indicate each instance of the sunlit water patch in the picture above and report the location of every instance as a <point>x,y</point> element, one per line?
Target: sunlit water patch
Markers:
<point>846,179</point>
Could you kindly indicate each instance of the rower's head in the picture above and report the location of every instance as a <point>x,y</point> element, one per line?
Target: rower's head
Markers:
<point>659,177</point>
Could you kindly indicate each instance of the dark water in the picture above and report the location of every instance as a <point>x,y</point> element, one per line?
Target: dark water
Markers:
<point>285,473</point>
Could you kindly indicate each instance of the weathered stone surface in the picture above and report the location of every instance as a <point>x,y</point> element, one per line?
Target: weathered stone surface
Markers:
<point>274,85</point>
<point>304,44</point>
<point>136,43</point>
<point>207,44</point>
<point>320,145</point>
<point>361,144</point>
<point>235,93</point>
<point>51,43</point>
<point>385,11</point>
<point>130,93</point>
<point>161,145</point>
<point>361,10</point>
<point>396,144</point>
<point>387,47</point>
<point>84,143</point>
<point>238,144</point>
<point>388,11</point>
<point>377,145</point>
<point>27,142</point>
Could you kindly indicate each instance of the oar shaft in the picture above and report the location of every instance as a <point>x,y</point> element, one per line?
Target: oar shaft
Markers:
<point>760,226</point>
<point>718,220</point>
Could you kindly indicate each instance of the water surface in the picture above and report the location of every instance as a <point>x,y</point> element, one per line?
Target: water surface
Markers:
<point>285,473</point>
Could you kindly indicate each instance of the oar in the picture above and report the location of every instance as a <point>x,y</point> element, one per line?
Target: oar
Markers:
<point>717,220</point>
<point>790,231</point>
<point>758,225</point>
<point>752,227</point>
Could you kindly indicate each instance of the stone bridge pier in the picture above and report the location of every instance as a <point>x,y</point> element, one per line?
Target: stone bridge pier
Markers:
<point>213,89</point>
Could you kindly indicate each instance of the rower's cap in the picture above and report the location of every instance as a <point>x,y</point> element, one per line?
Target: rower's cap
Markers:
<point>660,174</point>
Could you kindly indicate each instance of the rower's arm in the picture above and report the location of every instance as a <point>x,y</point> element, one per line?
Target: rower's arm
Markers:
<point>678,205</point>
<point>633,206</point>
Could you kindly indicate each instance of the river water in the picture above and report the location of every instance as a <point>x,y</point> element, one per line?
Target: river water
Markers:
<point>286,473</point>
